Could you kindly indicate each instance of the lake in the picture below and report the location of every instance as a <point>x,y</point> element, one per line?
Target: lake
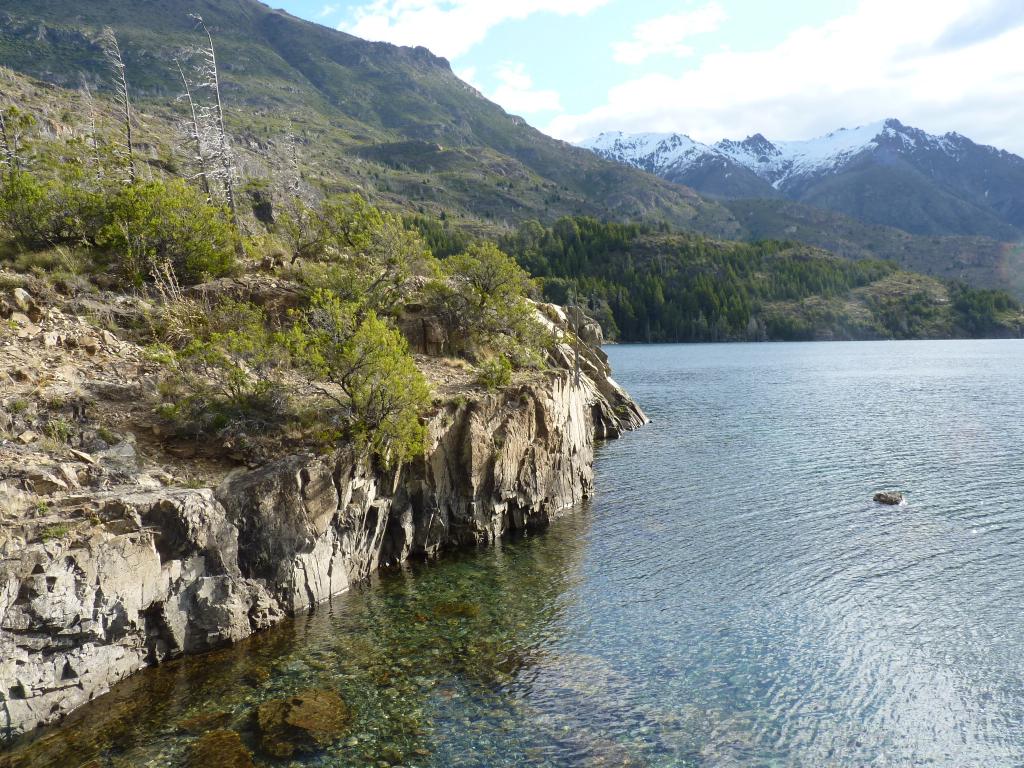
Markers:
<point>731,597</point>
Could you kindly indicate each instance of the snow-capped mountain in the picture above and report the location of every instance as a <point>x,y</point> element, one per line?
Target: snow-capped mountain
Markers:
<point>882,173</point>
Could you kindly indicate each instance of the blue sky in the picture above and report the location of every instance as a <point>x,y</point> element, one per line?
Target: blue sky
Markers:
<point>720,68</point>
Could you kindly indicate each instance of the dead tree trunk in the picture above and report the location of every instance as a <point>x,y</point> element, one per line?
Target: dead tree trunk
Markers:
<point>7,144</point>
<point>196,134</point>
<point>223,145</point>
<point>94,128</point>
<point>112,51</point>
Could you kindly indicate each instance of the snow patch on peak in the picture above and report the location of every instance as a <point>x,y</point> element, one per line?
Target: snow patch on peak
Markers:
<point>776,162</point>
<point>828,152</point>
<point>651,151</point>
<point>779,162</point>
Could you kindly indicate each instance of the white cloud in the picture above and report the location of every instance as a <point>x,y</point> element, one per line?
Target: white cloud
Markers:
<point>516,92</point>
<point>328,10</point>
<point>885,59</point>
<point>666,34</point>
<point>450,28</point>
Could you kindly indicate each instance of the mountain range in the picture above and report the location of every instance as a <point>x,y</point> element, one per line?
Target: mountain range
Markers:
<point>885,173</point>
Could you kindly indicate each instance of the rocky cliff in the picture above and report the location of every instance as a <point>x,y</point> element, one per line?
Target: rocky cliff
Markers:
<point>107,566</point>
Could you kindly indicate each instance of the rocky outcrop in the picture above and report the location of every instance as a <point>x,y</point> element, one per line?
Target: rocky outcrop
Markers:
<point>153,575</point>
<point>133,577</point>
<point>310,527</point>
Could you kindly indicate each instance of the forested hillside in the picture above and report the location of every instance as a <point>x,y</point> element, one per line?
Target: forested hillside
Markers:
<point>977,261</point>
<point>650,285</point>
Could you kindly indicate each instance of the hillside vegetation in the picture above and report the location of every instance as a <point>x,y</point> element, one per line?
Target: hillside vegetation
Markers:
<point>978,261</point>
<point>649,285</point>
<point>393,123</point>
<point>271,334</point>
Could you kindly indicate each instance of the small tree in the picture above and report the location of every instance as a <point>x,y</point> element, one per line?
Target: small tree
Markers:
<point>359,252</point>
<point>303,228</point>
<point>483,300</point>
<point>112,52</point>
<point>369,376</point>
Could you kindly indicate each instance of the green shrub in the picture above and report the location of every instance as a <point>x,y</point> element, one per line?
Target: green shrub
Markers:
<point>51,532</point>
<point>358,252</point>
<point>154,223</point>
<point>484,303</point>
<point>139,227</point>
<point>42,215</point>
<point>494,373</point>
<point>376,392</point>
<point>59,429</point>
<point>26,212</point>
<point>226,382</point>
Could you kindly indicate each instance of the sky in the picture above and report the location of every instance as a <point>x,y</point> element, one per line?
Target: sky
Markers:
<point>714,69</point>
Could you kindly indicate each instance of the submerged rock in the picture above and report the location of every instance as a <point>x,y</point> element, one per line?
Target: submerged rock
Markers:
<point>223,749</point>
<point>305,722</point>
<point>891,498</point>
<point>207,721</point>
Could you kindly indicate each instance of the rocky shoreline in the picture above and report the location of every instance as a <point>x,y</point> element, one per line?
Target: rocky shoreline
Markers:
<point>137,571</point>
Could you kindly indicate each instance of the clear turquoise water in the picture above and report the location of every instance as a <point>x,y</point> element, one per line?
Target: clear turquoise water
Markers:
<point>732,597</point>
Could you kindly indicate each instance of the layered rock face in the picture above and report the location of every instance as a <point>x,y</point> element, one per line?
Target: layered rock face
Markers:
<point>156,577</point>
<point>150,574</point>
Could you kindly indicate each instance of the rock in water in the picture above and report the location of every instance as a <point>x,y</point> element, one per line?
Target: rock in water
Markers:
<point>221,748</point>
<point>892,498</point>
<point>305,722</point>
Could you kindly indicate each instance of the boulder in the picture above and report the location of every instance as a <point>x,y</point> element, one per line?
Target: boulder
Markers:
<point>890,498</point>
<point>45,483</point>
<point>223,749</point>
<point>305,722</point>
<point>23,301</point>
